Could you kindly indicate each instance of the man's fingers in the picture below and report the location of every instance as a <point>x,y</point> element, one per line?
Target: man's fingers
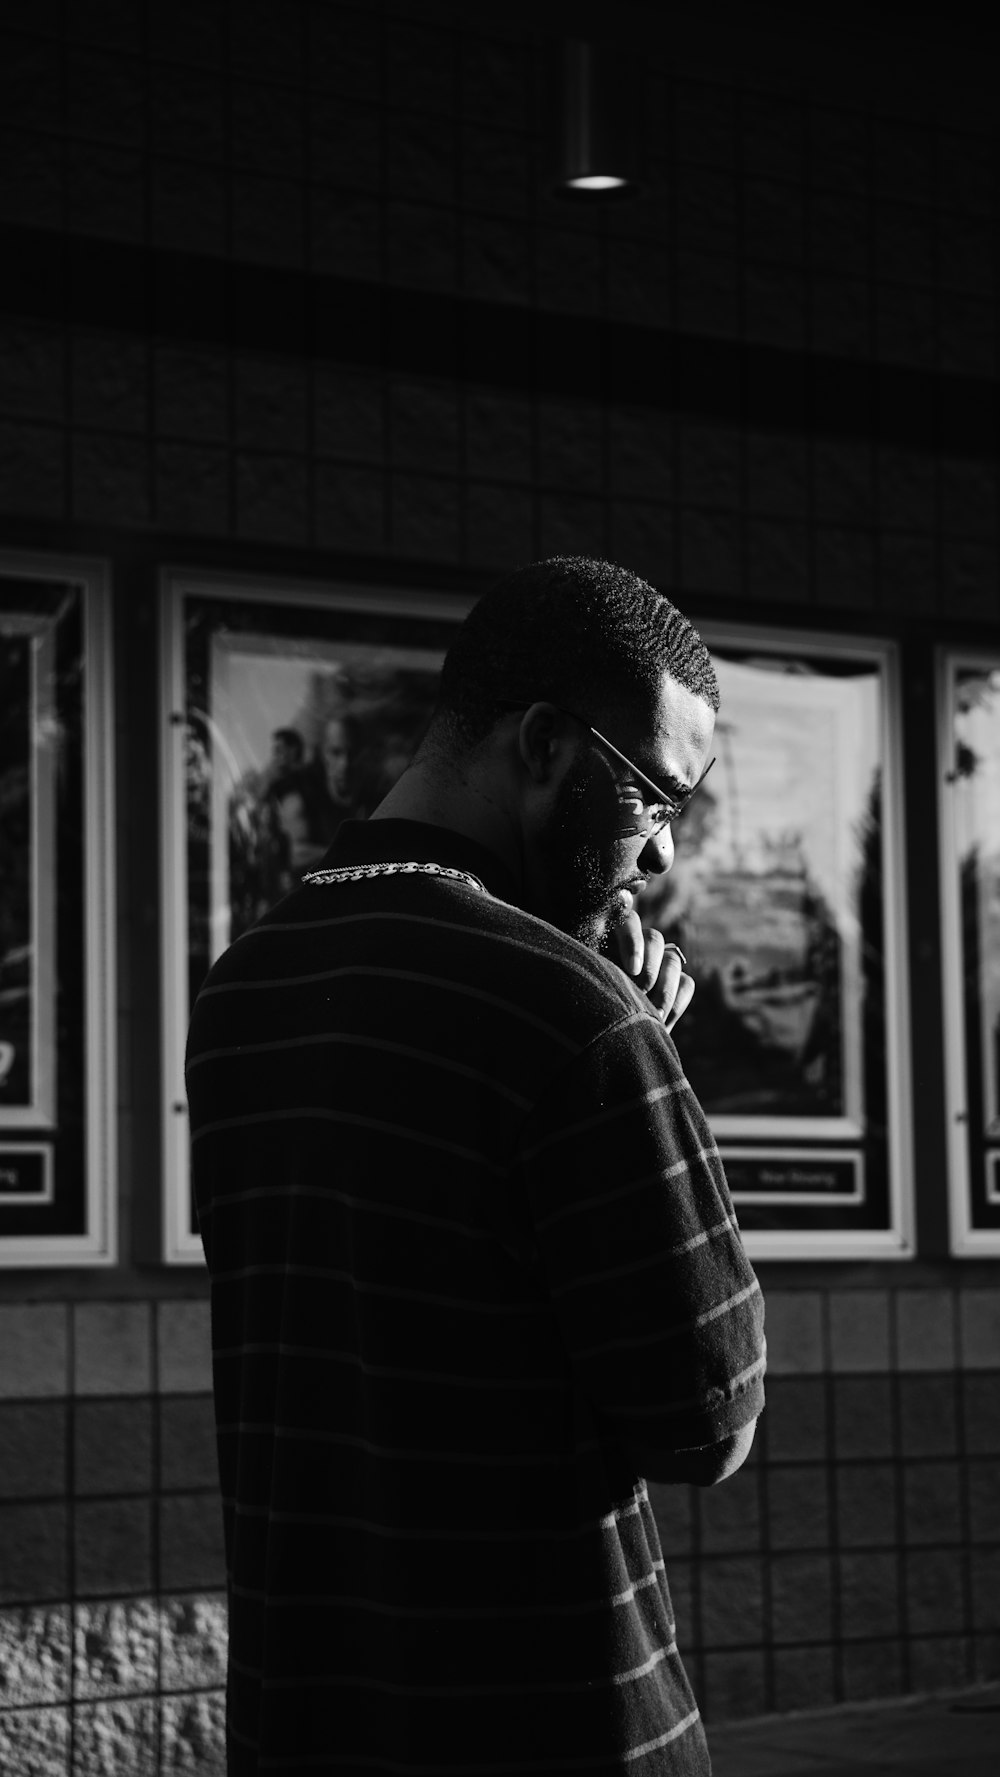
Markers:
<point>630,944</point>
<point>663,989</point>
<point>682,1000</point>
<point>652,960</point>
<point>655,966</point>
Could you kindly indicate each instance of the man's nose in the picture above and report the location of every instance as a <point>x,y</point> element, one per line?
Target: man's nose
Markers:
<point>657,854</point>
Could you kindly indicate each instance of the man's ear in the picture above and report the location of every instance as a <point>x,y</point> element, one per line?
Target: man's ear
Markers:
<point>543,742</point>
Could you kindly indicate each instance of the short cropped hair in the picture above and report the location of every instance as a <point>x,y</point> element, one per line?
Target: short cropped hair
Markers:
<point>587,635</point>
<point>290,737</point>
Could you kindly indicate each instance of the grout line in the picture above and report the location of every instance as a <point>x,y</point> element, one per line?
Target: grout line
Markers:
<point>833,1531</point>
<point>111,1696</point>
<point>964,1469</point>
<point>765,1558</point>
<point>149,358</point>
<point>228,260</point>
<point>899,1491</point>
<point>154,1514</point>
<point>671,292</point>
<point>71,1525</point>
<point>698,1651</point>
<point>305,99</point>
<point>384,371</point>
<point>65,223</point>
<point>808,327</point>
<point>739,419</point>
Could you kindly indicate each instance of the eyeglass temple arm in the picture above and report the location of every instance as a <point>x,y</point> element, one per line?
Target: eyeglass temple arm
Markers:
<point>661,795</point>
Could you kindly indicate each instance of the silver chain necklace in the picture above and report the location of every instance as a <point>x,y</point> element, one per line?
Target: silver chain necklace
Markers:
<point>359,872</point>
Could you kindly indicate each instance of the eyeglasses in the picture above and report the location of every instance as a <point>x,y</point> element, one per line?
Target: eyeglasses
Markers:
<point>645,822</point>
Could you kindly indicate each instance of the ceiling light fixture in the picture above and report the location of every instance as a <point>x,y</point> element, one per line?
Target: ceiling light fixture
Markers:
<point>597,102</point>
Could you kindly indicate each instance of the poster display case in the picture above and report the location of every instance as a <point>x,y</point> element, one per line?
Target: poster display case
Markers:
<point>787,898</point>
<point>286,709</point>
<point>57,988</point>
<point>969,751</point>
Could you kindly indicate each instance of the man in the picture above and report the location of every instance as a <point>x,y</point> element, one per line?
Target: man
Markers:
<point>259,845</point>
<point>340,744</point>
<point>475,1270</point>
<point>287,750</point>
<point>318,798</point>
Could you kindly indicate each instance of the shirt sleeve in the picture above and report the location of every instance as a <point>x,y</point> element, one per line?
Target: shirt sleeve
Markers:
<point>656,1300</point>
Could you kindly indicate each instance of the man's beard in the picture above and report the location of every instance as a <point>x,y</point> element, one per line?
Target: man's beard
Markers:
<point>582,878</point>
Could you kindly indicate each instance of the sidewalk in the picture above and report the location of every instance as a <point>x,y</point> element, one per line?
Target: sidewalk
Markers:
<point>954,1734</point>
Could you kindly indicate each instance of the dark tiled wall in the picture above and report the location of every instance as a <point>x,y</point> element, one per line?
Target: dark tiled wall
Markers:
<point>106,1490</point>
<point>242,189</point>
<point>426,470</point>
<point>112,1613</point>
<point>282,283</point>
<point>856,1555</point>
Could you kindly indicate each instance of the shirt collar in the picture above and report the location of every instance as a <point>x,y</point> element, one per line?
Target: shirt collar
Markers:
<point>417,842</point>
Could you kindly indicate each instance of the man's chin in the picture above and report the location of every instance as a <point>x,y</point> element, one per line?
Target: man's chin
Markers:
<point>594,928</point>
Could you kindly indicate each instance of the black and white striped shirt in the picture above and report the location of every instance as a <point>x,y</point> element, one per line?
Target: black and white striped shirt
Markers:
<point>470,1245</point>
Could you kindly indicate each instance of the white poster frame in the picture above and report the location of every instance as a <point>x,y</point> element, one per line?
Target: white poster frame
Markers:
<point>967,1241</point>
<point>897,1240</point>
<point>96,1244</point>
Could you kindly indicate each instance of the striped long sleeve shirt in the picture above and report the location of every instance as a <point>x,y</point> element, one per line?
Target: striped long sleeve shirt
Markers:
<point>471,1248</point>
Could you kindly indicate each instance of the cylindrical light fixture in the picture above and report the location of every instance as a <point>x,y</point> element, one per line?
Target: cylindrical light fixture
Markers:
<point>597,149</point>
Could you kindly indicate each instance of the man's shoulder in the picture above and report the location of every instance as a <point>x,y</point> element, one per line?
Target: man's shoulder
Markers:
<point>454,936</point>
<point>529,958</point>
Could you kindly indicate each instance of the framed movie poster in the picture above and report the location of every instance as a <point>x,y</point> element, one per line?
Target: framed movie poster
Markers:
<point>786,897</point>
<point>969,731</point>
<point>286,710</point>
<point>57,1000</point>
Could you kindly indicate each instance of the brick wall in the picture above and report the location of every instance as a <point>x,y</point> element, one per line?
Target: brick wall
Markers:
<point>283,290</point>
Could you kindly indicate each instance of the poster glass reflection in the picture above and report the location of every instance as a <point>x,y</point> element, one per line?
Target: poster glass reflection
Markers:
<point>286,710</point>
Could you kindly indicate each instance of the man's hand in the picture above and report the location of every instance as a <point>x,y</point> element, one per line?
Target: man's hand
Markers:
<point>656,967</point>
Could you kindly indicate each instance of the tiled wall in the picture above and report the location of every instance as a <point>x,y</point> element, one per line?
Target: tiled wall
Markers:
<point>324,149</point>
<point>397,469</point>
<point>856,1555</point>
<point>283,289</point>
<point>112,1606</point>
